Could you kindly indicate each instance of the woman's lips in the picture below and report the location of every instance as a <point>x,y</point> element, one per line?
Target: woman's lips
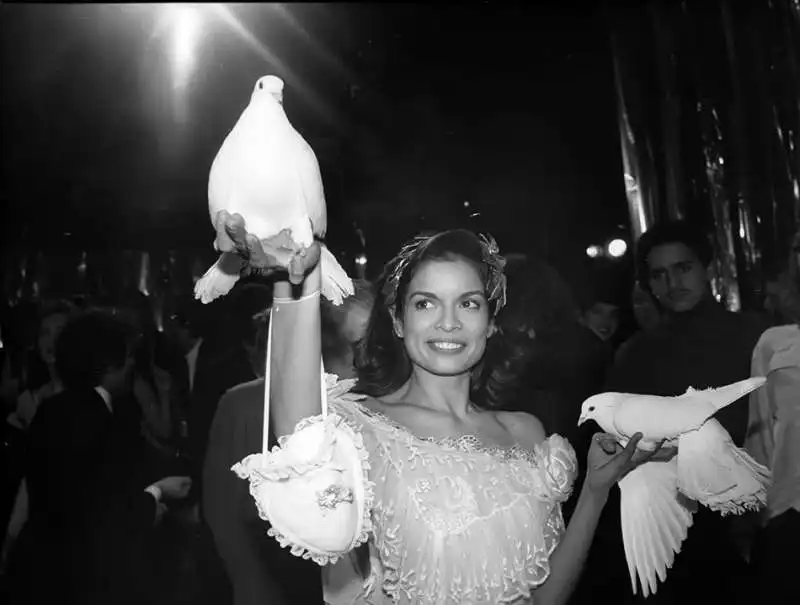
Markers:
<point>446,346</point>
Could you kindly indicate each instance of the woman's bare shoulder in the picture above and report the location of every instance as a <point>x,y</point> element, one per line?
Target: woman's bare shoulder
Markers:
<point>525,428</point>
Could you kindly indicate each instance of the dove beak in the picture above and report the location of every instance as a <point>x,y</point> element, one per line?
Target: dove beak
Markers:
<point>582,419</point>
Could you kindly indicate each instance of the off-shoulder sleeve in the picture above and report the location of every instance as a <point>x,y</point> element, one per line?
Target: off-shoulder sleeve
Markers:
<point>314,487</point>
<point>559,467</point>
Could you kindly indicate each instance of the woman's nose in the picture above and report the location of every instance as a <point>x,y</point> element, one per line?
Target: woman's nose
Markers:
<point>449,320</point>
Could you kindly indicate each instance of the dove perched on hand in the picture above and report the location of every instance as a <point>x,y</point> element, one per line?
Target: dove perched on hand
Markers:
<point>269,175</point>
<point>657,498</point>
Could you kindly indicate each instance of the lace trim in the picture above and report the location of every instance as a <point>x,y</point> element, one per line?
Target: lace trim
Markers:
<point>468,443</point>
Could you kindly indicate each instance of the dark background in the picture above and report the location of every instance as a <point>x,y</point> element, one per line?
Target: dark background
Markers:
<point>412,110</point>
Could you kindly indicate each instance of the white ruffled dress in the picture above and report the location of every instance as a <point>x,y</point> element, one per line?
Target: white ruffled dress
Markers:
<point>449,522</point>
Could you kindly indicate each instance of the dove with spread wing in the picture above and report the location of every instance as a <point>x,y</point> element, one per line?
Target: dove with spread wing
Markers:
<point>658,498</point>
<point>269,175</point>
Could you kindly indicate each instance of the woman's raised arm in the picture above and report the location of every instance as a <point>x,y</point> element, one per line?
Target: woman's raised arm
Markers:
<point>295,377</point>
<point>295,319</point>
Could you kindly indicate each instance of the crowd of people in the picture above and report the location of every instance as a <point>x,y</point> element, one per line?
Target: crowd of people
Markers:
<point>120,437</point>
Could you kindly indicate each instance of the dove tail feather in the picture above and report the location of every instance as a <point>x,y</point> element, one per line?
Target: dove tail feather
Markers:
<point>719,475</point>
<point>336,284</point>
<point>724,396</point>
<point>215,282</point>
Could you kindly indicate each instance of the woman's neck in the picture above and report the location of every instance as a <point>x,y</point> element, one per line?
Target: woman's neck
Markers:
<point>447,394</point>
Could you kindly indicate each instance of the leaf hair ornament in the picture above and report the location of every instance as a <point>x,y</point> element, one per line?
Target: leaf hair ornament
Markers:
<point>490,255</point>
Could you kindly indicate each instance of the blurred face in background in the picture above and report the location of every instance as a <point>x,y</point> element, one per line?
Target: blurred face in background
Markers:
<point>677,278</point>
<point>602,319</point>
<point>352,329</point>
<point>645,309</point>
<point>49,330</point>
<point>119,381</point>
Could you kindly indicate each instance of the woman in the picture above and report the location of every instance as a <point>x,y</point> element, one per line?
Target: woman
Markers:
<point>773,437</point>
<point>43,381</point>
<point>466,504</point>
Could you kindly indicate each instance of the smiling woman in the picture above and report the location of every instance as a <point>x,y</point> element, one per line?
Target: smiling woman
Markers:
<point>440,294</point>
<point>454,502</point>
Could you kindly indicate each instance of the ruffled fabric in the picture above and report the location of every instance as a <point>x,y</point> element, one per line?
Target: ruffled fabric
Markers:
<point>456,522</point>
<point>448,521</point>
<point>314,487</point>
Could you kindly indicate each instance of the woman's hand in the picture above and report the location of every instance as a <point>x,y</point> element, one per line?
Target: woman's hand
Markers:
<point>608,461</point>
<point>271,255</point>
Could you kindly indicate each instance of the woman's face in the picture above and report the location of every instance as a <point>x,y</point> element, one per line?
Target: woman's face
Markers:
<point>48,332</point>
<point>445,320</point>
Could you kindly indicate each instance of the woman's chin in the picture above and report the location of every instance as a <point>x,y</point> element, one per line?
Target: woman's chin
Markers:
<point>447,368</point>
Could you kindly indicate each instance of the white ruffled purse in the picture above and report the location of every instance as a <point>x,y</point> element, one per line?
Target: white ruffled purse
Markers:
<point>313,487</point>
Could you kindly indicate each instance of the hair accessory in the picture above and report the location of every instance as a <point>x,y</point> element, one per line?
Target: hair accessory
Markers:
<point>490,255</point>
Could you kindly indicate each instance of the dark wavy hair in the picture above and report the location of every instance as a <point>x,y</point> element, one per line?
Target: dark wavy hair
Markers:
<point>37,372</point>
<point>383,365</point>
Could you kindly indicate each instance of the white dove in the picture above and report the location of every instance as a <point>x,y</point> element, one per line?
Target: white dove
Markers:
<point>266,172</point>
<point>708,468</point>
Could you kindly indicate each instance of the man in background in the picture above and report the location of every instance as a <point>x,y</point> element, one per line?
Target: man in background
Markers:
<point>698,344</point>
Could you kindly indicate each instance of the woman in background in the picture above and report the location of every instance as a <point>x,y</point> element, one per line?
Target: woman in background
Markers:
<point>773,437</point>
<point>41,377</point>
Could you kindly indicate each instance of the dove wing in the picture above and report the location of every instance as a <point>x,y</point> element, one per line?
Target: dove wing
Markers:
<point>310,180</point>
<point>654,522</point>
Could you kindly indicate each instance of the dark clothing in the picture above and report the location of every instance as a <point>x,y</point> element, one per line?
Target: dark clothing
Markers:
<point>776,559</point>
<point>88,512</point>
<point>259,569</point>
<point>706,347</point>
<point>220,366</point>
<point>563,370</point>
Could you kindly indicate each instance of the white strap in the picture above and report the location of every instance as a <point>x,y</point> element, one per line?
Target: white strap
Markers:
<point>268,380</point>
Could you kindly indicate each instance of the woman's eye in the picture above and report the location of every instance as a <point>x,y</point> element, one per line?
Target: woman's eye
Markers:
<point>471,304</point>
<point>422,304</point>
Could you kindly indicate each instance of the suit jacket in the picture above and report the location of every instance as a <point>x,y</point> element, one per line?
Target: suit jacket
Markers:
<point>259,569</point>
<point>220,366</point>
<point>88,512</point>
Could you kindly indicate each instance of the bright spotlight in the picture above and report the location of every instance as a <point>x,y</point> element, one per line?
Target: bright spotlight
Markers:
<point>593,251</point>
<point>186,23</point>
<point>361,259</point>
<point>617,248</point>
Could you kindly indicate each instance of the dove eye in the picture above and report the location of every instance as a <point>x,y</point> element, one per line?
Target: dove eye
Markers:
<point>261,86</point>
<point>591,409</point>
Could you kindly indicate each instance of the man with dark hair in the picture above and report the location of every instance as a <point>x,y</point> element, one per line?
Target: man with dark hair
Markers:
<point>259,569</point>
<point>698,344</point>
<point>87,508</point>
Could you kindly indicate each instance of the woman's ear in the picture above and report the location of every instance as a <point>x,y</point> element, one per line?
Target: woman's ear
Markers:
<point>492,329</point>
